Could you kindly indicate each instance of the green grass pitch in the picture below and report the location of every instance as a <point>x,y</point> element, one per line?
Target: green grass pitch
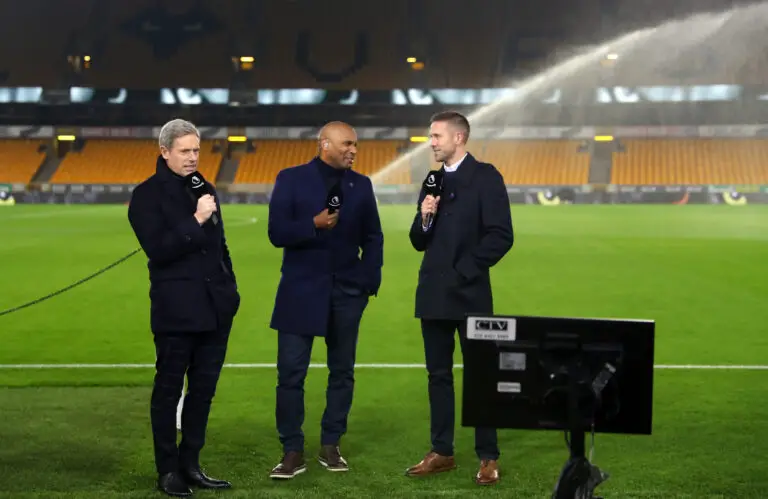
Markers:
<point>700,271</point>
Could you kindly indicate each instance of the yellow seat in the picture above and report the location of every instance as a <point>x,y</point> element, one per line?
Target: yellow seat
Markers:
<point>691,161</point>
<point>271,156</point>
<point>535,162</point>
<point>123,162</point>
<point>19,160</point>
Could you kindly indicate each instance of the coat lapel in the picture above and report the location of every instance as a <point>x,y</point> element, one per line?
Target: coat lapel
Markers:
<point>316,187</point>
<point>347,187</point>
<point>466,171</point>
<point>462,179</point>
<point>172,185</point>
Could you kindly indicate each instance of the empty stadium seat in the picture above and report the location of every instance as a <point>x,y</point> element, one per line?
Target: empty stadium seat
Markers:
<point>271,156</point>
<point>535,162</point>
<point>691,161</point>
<point>19,160</point>
<point>123,162</point>
<point>524,162</point>
<point>521,162</point>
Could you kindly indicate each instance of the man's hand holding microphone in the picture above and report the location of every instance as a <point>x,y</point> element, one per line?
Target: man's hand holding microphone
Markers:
<point>206,206</point>
<point>433,187</point>
<point>325,220</point>
<point>329,217</point>
<point>429,209</point>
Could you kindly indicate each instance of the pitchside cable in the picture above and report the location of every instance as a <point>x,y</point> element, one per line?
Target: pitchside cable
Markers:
<point>81,281</point>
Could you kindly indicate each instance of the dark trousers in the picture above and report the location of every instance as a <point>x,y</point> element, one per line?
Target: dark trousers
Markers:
<point>200,356</point>
<point>439,344</point>
<point>293,357</point>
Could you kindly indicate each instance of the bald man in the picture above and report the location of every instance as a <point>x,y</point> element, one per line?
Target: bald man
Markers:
<point>324,289</point>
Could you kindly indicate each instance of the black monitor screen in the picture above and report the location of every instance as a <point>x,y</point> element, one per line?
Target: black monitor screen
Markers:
<point>518,371</point>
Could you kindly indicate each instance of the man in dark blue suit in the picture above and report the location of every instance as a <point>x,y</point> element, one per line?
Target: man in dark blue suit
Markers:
<point>325,286</point>
<point>194,300</point>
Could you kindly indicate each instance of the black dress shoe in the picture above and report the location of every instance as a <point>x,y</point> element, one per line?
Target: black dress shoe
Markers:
<point>196,478</point>
<point>173,485</point>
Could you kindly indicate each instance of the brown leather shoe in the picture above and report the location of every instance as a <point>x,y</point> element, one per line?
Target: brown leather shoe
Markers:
<point>431,464</point>
<point>331,459</point>
<point>291,465</point>
<point>488,474</point>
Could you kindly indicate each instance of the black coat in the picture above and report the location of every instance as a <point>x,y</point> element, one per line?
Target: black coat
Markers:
<point>192,283</point>
<point>471,232</point>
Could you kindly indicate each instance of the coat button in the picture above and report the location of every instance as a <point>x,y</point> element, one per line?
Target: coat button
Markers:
<point>207,279</point>
<point>203,252</point>
<point>187,238</point>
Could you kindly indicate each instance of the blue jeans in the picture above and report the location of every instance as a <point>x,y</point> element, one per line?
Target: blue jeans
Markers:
<point>293,356</point>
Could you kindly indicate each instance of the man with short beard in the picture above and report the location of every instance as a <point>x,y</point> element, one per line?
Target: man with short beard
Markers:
<point>463,232</point>
<point>322,214</point>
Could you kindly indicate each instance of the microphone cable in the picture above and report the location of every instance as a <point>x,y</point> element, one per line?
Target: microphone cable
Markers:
<point>67,288</point>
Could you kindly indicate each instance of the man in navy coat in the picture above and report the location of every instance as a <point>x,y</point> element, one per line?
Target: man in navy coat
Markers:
<point>331,266</point>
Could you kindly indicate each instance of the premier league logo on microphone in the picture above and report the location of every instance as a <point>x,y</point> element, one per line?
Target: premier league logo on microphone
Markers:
<point>433,184</point>
<point>335,199</point>
<point>197,184</point>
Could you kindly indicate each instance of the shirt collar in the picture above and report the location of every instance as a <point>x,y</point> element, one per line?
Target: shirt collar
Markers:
<point>455,166</point>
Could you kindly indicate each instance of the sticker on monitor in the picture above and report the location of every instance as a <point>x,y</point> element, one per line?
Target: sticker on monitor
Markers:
<point>491,328</point>
<point>512,361</point>
<point>508,387</point>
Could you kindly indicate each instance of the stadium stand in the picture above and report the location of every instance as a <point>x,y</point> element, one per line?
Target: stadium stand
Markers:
<point>19,160</point>
<point>691,161</point>
<point>521,162</point>
<point>271,156</point>
<point>536,162</point>
<point>122,162</point>
<point>129,50</point>
<point>138,44</point>
<point>131,161</point>
<point>147,45</point>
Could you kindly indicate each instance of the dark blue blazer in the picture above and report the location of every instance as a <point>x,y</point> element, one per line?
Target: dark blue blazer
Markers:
<point>192,283</point>
<point>314,258</point>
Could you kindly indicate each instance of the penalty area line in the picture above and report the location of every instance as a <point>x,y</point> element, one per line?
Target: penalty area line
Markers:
<point>733,367</point>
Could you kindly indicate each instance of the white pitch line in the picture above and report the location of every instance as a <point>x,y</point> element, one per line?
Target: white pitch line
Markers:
<point>358,366</point>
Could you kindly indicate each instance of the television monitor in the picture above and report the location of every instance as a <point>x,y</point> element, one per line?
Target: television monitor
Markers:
<point>576,375</point>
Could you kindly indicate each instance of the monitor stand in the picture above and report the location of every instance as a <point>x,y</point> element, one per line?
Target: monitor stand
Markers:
<point>578,478</point>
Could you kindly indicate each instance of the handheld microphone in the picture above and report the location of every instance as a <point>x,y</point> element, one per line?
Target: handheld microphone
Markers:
<point>199,187</point>
<point>433,186</point>
<point>335,198</point>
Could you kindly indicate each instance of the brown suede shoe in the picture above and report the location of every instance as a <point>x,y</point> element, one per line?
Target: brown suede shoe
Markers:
<point>331,459</point>
<point>488,474</point>
<point>291,465</point>
<point>431,464</point>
